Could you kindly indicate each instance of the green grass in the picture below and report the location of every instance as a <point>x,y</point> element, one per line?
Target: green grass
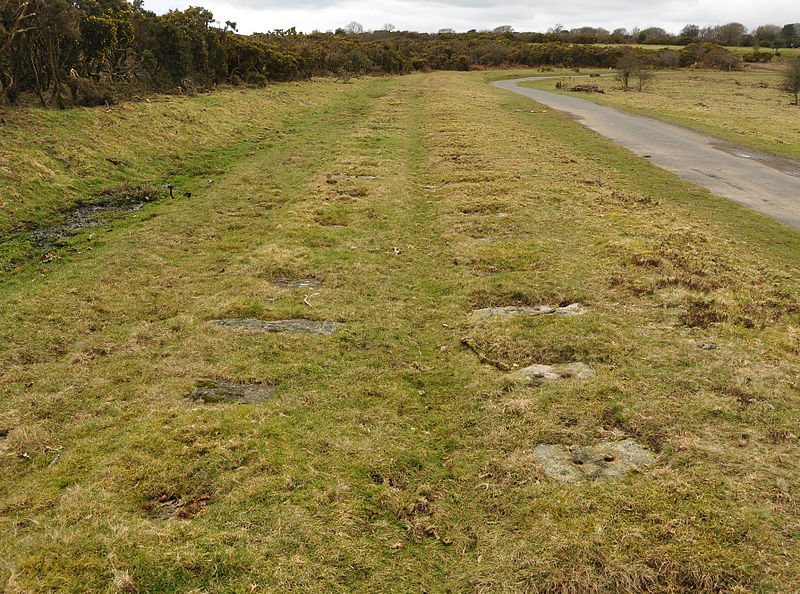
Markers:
<point>390,458</point>
<point>746,108</point>
<point>783,53</point>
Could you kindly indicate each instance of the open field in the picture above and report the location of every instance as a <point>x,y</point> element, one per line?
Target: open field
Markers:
<point>783,53</point>
<point>396,453</point>
<point>746,108</point>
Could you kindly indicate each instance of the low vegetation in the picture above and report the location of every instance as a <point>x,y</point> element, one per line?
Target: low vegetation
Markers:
<point>791,79</point>
<point>390,454</point>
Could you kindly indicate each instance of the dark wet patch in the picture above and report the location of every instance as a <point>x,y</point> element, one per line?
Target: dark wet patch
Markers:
<point>298,325</point>
<point>299,283</point>
<point>605,460</point>
<point>3,433</point>
<point>782,164</point>
<point>121,199</point>
<point>221,391</point>
<point>168,506</point>
<point>548,373</point>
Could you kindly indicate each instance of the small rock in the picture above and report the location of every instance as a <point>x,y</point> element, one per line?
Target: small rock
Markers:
<point>604,460</point>
<point>538,373</point>
<point>574,309</point>
<point>215,391</point>
<point>298,283</point>
<point>298,325</point>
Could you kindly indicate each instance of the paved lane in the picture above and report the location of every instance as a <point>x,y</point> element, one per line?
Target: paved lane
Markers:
<point>761,181</point>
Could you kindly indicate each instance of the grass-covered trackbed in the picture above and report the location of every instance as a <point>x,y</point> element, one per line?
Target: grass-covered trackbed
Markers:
<point>279,382</point>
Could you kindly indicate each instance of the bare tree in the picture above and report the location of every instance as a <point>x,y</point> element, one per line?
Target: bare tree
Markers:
<point>768,32</point>
<point>691,31</point>
<point>653,33</point>
<point>643,78</point>
<point>389,27</point>
<point>729,34</point>
<point>503,29</point>
<point>791,79</point>
<point>354,28</point>
<point>15,14</point>
<point>627,66</point>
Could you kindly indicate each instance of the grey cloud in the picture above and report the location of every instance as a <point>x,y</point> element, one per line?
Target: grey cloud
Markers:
<point>418,15</point>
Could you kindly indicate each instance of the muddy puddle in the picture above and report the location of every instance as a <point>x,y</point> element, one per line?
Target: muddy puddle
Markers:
<point>111,201</point>
<point>782,164</point>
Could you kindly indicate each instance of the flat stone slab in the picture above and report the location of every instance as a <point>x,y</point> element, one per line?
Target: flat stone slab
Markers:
<point>604,460</point>
<point>539,373</point>
<point>216,391</point>
<point>299,325</point>
<point>574,309</point>
<point>299,283</point>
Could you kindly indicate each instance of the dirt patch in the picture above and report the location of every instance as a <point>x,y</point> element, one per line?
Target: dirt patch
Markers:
<point>573,309</point>
<point>121,199</point>
<point>168,506</point>
<point>547,373</point>
<point>298,325</point>
<point>702,313</point>
<point>299,283</point>
<point>604,460</point>
<point>221,391</point>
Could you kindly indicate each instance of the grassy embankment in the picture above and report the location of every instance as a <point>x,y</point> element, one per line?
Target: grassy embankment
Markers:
<point>746,108</point>
<point>390,457</point>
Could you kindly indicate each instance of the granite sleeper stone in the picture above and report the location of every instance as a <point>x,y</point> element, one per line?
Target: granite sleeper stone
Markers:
<point>271,326</point>
<point>604,460</point>
<point>546,373</point>
<point>298,283</point>
<point>574,309</point>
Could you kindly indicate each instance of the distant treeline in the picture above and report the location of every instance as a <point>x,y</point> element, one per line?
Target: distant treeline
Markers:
<point>88,52</point>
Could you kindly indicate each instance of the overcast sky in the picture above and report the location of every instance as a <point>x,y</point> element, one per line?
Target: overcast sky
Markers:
<point>462,15</point>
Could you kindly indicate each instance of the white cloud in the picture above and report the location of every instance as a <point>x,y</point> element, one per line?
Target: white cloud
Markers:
<point>462,15</point>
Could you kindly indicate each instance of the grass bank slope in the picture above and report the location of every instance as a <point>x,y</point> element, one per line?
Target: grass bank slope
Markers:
<point>390,457</point>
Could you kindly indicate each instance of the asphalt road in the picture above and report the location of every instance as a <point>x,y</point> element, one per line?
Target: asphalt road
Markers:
<point>761,181</point>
